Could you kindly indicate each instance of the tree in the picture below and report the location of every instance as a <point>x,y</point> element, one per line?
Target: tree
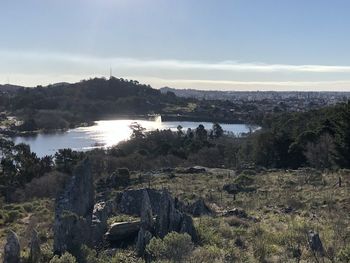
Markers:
<point>66,159</point>
<point>320,154</point>
<point>342,137</point>
<point>201,133</point>
<point>138,132</point>
<point>217,130</point>
<point>179,131</point>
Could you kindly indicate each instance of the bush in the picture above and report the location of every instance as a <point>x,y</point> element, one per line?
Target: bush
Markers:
<point>46,186</point>
<point>244,180</point>
<point>65,258</point>
<point>207,232</point>
<point>173,246</point>
<point>13,216</point>
<point>344,254</point>
<point>208,254</point>
<point>121,177</point>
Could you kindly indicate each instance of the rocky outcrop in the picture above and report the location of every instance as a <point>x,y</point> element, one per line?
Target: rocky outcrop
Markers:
<point>130,201</point>
<point>147,225</point>
<point>102,211</point>
<point>240,213</point>
<point>315,242</point>
<point>188,227</point>
<point>199,208</point>
<point>34,246</point>
<point>143,239</point>
<point>123,231</point>
<point>194,170</point>
<point>171,219</point>
<point>12,248</point>
<point>73,212</point>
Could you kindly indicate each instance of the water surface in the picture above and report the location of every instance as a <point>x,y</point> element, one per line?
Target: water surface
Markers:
<point>106,133</point>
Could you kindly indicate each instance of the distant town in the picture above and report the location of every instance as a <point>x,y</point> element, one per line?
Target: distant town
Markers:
<point>267,100</point>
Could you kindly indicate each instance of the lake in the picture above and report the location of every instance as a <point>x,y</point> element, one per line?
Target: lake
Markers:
<point>106,133</point>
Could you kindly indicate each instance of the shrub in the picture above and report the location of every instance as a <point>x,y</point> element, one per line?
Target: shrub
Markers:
<point>65,258</point>
<point>244,180</point>
<point>173,246</point>
<point>207,233</point>
<point>344,254</point>
<point>208,254</point>
<point>13,216</point>
<point>46,186</point>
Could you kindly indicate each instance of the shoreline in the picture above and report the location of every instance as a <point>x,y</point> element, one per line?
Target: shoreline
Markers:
<point>11,133</point>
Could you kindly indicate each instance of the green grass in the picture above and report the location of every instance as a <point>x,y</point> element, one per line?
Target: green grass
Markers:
<point>284,206</point>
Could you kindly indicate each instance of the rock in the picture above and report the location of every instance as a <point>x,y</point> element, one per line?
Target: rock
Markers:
<point>123,230</point>
<point>235,188</point>
<point>231,188</point>
<point>73,212</point>
<point>240,213</point>
<point>315,242</point>
<point>188,227</point>
<point>131,201</point>
<point>195,170</point>
<point>35,252</point>
<point>102,211</point>
<point>145,235</point>
<point>12,248</point>
<point>199,208</point>
<point>143,238</point>
<point>170,219</point>
<point>146,212</point>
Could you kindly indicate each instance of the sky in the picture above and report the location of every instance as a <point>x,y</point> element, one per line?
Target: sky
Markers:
<point>202,44</point>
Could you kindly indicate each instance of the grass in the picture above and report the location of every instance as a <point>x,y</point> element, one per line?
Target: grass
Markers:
<point>284,206</point>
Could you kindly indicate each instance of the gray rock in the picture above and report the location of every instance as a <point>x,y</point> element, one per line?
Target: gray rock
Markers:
<point>131,201</point>
<point>195,170</point>
<point>35,252</point>
<point>73,212</point>
<point>170,219</point>
<point>240,213</point>
<point>199,208</point>
<point>12,248</point>
<point>123,230</point>
<point>315,242</point>
<point>146,212</point>
<point>145,235</point>
<point>102,211</point>
<point>188,227</point>
<point>143,239</point>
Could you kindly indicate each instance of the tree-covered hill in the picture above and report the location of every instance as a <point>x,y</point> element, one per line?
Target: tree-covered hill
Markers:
<point>65,105</point>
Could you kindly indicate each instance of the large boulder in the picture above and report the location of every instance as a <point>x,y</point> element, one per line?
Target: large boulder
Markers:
<point>147,224</point>
<point>35,252</point>
<point>171,219</point>
<point>102,211</point>
<point>130,201</point>
<point>199,208</point>
<point>12,248</point>
<point>188,227</point>
<point>73,212</point>
<point>194,170</point>
<point>123,231</point>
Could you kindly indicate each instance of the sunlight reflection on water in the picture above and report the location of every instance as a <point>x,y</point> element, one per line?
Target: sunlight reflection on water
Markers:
<point>106,133</point>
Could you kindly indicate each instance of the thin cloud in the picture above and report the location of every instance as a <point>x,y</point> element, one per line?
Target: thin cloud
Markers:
<point>229,66</point>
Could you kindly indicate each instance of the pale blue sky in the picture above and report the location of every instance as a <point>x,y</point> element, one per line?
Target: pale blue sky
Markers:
<point>207,44</point>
